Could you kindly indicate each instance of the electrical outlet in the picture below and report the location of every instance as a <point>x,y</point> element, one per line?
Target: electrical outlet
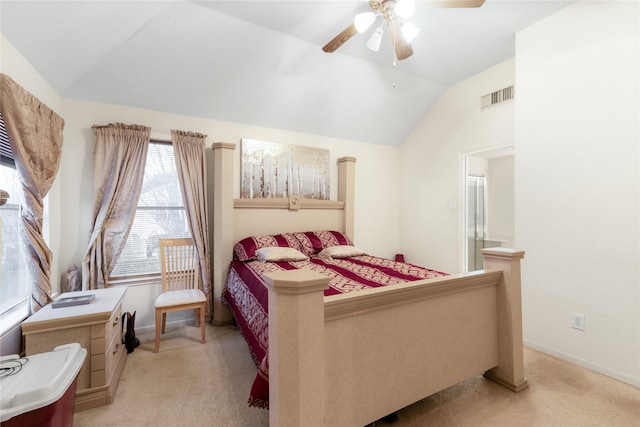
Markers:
<point>577,321</point>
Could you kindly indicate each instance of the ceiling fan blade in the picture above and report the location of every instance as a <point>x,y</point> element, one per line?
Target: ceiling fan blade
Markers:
<point>449,3</point>
<point>402,47</point>
<point>340,39</point>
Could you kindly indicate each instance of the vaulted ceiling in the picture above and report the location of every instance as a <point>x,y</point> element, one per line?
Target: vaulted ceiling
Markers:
<point>260,62</point>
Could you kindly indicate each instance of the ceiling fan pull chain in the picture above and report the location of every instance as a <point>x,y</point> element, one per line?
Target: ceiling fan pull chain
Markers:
<point>394,63</point>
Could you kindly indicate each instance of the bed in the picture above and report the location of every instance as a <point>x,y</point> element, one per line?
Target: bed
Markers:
<point>329,253</point>
<point>349,359</point>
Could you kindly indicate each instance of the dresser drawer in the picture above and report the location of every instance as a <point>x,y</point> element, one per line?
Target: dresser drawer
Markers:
<point>104,333</point>
<point>104,348</point>
<point>116,350</point>
<point>102,364</point>
<point>115,325</point>
<point>107,329</point>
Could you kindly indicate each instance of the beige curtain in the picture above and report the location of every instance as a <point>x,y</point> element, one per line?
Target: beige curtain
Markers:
<point>35,135</point>
<point>189,152</point>
<point>119,156</point>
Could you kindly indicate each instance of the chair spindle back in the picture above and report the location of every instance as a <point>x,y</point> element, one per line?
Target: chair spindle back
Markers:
<point>179,263</point>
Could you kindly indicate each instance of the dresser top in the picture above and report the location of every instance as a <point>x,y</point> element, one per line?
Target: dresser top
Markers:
<point>98,310</point>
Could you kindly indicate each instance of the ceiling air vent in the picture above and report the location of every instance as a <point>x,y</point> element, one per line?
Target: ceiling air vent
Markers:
<point>498,96</point>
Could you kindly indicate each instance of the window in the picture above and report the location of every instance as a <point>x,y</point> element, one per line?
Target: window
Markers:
<point>160,214</point>
<point>14,290</point>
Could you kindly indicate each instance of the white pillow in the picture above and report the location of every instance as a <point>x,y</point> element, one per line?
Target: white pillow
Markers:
<point>341,252</point>
<point>276,253</point>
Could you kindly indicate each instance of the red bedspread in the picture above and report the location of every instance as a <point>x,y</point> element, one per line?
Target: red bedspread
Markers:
<point>246,296</point>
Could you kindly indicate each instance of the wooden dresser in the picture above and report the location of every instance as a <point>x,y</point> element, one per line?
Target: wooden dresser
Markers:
<point>98,328</point>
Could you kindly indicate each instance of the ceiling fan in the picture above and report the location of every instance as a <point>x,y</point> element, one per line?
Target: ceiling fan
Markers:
<point>395,14</point>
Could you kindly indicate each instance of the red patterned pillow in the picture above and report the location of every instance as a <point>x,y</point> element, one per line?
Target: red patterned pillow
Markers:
<point>245,249</point>
<point>312,242</point>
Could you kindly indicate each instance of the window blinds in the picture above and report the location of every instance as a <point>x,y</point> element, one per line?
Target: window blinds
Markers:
<point>6,155</point>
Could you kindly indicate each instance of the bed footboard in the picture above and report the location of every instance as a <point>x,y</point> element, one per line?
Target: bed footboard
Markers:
<point>510,370</point>
<point>350,359</point>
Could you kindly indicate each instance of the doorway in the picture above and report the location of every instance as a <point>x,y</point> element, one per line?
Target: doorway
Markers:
<point>488,203</point>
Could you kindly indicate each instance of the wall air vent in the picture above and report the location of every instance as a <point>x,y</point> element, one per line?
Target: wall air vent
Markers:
<point>498,96</point>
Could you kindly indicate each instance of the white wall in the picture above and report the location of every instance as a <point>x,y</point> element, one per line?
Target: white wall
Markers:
<point>577,184</point>
<point>19,69</point>
<point>501,203</point>
<point>376,179</point>
<point>431,176</point>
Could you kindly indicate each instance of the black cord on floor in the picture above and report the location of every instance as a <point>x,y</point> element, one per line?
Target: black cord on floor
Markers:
<point>11,366</point>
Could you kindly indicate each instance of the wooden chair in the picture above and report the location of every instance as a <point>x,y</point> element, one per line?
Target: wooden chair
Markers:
<point>180,279</point>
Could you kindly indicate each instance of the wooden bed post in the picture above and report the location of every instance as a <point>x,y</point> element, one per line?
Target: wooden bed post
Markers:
<point>296,348</point>
<point>222,249</point>
<point>346,191</point>
<point>510,370</point>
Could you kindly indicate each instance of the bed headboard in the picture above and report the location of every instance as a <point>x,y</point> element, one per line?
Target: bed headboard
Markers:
<point>234,219</point>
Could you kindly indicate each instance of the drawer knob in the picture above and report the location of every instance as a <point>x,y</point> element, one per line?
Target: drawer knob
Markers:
<point>116,320</point>
<point>115,350</point>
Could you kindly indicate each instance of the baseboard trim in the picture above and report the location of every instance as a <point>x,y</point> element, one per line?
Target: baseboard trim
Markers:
<point>225,323</point>
<point>170,325</point>
<point>584,363</point>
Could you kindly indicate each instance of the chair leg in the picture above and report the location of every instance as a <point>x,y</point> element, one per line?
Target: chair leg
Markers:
<point>158,319</point>
<point>202,310</point>
<point>164,322</point>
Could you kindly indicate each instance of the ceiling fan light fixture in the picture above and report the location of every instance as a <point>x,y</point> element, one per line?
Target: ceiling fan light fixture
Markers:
<point>363,21</point>
<point>409,31</point>
<point>405,8</point>
<point>375,40</point>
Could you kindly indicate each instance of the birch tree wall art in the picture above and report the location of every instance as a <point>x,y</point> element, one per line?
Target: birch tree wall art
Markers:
<point>272,169</point>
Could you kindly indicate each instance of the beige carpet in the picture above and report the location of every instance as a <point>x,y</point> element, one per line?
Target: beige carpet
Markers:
<point>191,384</point>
